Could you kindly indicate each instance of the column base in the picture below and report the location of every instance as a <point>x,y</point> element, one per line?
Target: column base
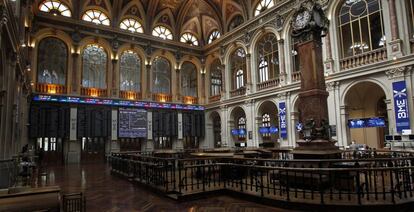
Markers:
<point>316,149</point>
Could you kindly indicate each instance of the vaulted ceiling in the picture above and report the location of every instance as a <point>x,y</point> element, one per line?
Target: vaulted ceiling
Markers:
<point>200,17</point>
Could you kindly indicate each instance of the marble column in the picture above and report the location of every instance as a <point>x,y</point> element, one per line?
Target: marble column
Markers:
<point>114,78</point>
<point>75,71</point>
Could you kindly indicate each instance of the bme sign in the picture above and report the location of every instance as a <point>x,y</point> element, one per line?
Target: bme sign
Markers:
<point>402,117</point>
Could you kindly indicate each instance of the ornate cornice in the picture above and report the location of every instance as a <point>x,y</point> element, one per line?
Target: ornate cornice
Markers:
<point>398,72</point>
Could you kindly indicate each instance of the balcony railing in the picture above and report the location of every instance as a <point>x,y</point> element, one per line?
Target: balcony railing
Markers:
<point>190,100</point>
<point>214,98</point>
<point>132,95</point>
<point>364,59</point>
<point>268,84</point>
<point>50,88</point>
<point>95,92</point>
<point>238,92</point>
<point>296,76</point>
<point>161,97</point>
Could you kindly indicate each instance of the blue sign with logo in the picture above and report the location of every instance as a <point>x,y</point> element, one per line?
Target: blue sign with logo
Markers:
<point>273,130</point>
<point>402,117</point>
<point>235,132</point>
<point>263,130</point>
<point>282,120</point>
<point>299,127</point>
<point>242,131</point>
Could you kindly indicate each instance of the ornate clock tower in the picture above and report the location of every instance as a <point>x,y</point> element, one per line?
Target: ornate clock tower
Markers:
<point>309,25</point>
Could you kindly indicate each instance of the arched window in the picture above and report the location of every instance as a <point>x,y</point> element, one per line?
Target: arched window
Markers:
<point>161,75</point>
<point>238,65</point>
<point>55,7</point>
<point>189,39</point>
<point>52,61</point>
<point>235,22</point>
<point>216,78</point>
<point>188,79</point>
<point>262,6</point>
<point>268,57</point>
<point>241,125</point>
<point>96,16</point>
<point>94,63</point>
<point>361,27</point>
<point>266,123</point>
<point>131,25</point>
<point>295,55</point>
<point>162,32</point>
<point>410,8</point>
<point>130,72</point>
<point>213,36</point>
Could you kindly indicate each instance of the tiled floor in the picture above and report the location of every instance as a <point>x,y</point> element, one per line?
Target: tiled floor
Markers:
<point>105,192</point>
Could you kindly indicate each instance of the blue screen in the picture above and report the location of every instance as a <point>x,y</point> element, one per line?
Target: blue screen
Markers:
<point>366,122</point>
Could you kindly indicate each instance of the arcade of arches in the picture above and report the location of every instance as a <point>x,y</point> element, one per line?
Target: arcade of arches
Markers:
<point>80,80</point>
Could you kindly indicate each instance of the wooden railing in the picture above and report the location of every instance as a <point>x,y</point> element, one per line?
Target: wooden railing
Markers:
<point>94,92</point>
<point>161,97</point>
<point>364,59</point>
<point>50,88</point>
<point>214,98</point>
<point>238,92</point>
<point>190,100</point>
<point>268,84</point>
<point>132,95</point>
<point>296,76</point>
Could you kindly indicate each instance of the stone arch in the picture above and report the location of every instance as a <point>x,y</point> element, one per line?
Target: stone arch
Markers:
<point>366,99</point>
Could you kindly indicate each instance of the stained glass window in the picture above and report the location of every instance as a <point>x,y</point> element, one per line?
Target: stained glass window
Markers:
<point>130,72</point>
<point>268,57</point>
<point>213,36</point>
<point>52,61</point>
<point>96,16</point>
<point>55,7</point>
<point>216,78</point>
<point>238,65</point>
<point>188,79</point>
<point>161,75</point>
<point>162,32</point>
<point>262,6</point>
<point>94,63</point>
<point>131,25</point>
<point>189,39</point>
<point>361,27</point>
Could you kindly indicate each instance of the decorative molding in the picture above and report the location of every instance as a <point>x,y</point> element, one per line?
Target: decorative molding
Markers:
<point>398,72</point>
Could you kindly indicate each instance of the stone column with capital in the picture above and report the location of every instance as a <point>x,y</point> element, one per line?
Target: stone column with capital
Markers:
<point>148,95</point>
<point>75,82</point>
<point>178,97</point>
<point>114,88</point>
<point>396,42</point>
<point>282,75</point>
<point>249,84</point>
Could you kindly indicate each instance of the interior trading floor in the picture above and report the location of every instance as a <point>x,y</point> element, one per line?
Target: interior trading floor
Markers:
<point>105,192</point>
